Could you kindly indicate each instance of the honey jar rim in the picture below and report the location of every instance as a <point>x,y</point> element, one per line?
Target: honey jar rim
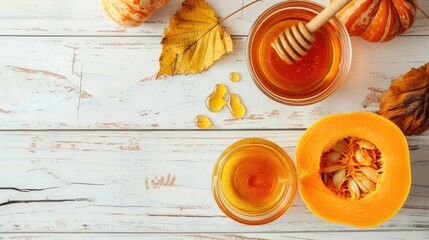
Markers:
<point>281,205</point>
<point>346,55</point>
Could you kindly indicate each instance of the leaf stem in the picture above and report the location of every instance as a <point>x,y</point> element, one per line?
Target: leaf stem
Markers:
<point>421,10</point>
<point>236,11</point>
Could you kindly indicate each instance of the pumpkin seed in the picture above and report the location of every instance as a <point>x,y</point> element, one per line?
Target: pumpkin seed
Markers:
<point>362,157</point>
<point>340,146</point>
<point>352,167</point>
<point>333,156</point>
<point>366,144</point>
<point>365,185</point>
<point>371,173</point>
<point>339,177</point>
<point>332,169</point>
<point>359,155</point>
<point>354,189</point>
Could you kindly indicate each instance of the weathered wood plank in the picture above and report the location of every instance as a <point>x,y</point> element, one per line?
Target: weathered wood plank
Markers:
<point>83,17</point>
<point>151,181</point>
<point>405,235</point>
<point>101,184</point>
<point>93,82</point>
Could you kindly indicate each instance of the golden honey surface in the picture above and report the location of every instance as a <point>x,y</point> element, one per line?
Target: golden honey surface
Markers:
<point>253,179</point>
<point>305,78</point>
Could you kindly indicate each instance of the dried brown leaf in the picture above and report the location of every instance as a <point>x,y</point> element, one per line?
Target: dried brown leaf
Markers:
<point>406,102</point>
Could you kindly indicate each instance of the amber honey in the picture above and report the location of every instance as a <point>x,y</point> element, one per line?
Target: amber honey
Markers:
<point>234,77</point>
<point>218,98</point>
<point>254,181</point>
<point>202,121</point>
<point>235,106</point>
<point>221,97</point>
<point>312,78</point>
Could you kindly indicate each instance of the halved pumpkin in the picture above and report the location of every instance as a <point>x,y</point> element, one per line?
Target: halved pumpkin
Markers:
<point>354,168</point>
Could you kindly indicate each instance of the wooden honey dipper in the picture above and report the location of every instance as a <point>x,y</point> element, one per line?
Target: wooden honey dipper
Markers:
<point>293,43</point>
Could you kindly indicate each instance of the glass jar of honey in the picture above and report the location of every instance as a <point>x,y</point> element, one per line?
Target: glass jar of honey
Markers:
<point>311,79</point>
<point>254,181</point>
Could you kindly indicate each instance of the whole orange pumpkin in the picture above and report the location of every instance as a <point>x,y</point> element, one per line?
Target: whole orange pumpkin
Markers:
<point>378,20</point>
<point>131,13</point>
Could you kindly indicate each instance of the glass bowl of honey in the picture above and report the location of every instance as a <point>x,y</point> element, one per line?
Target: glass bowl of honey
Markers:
<point>314,77</point>
<point>254,181</point>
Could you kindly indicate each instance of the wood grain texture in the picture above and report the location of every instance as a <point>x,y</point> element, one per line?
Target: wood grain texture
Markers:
<point>151,181</point>
<point>50,17</point>
<point>64,66</point>
<point>86,17</point>
<point>399,235</point>
<point>100,82</point>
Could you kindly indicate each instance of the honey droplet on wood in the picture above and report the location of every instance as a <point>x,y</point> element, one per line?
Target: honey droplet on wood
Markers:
<point>236,108</point>
<point>234,76</point>
<point>216,100</point>
<point>202,121</point>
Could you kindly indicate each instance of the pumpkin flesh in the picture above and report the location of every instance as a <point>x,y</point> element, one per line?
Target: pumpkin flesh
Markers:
<point>392,188</point>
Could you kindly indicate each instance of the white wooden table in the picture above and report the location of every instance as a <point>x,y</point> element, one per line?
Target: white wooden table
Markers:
<point>93,147</point>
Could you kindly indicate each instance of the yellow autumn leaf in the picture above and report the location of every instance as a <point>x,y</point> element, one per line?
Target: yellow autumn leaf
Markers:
<point>193,40</point>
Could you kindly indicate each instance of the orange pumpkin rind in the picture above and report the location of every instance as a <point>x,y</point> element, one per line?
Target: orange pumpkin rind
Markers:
<point>378,20</point>
<point>393,187</point>
<point>130,13</point>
